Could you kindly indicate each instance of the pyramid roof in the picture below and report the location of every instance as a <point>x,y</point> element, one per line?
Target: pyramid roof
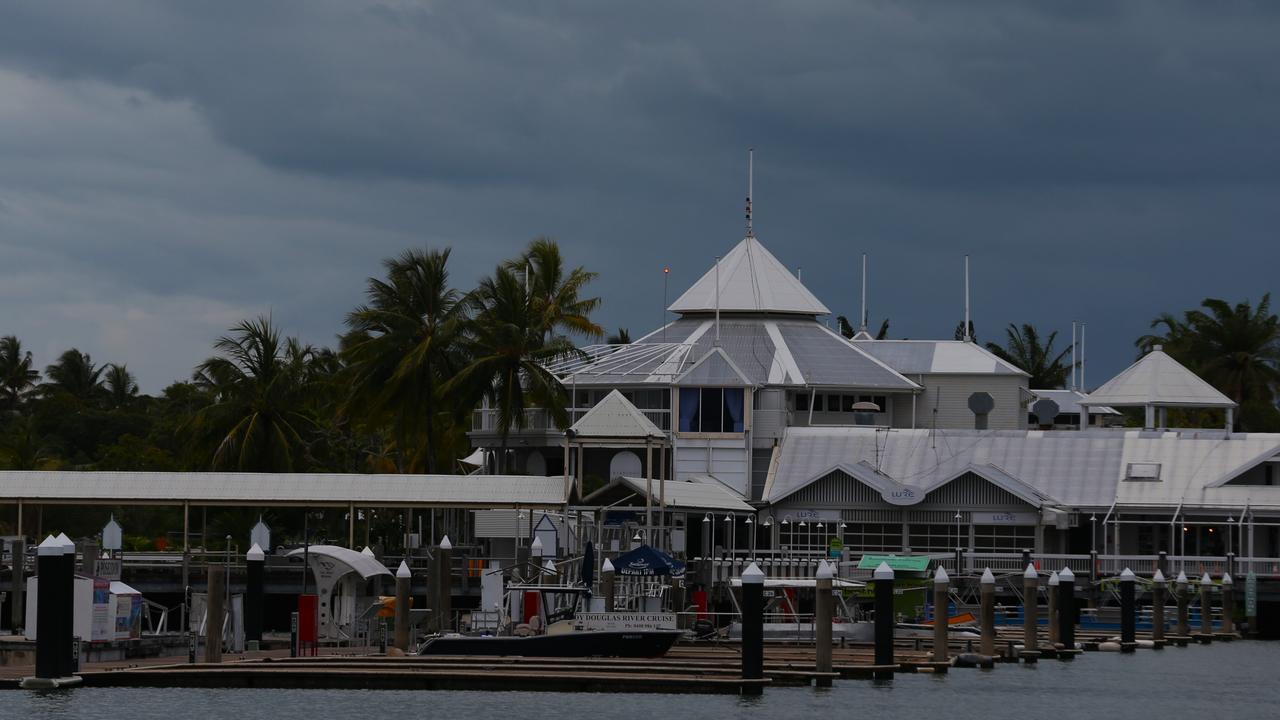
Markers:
<point>616,417</point>
<point>752,280</point>
<point>1157,379</point>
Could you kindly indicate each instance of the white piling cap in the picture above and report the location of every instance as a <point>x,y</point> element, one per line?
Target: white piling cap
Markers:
<point>403,570</point>
<point>68,545</point>
<point>1206,580</point>
<point>824,571</point>
<point>368,551</point>
<point>1182,577</point>
<point>883,572</point>
<point>987,577</point>
<point>607,567</point>
<point>752,575</point>
<point>1127,575</point>
<point>50,546</point>
<point>1226,579</point>
<point>1053,578</point>
<point>940,577</point>
<point>550,566</point>
<point>255,554</point>
<point>1030,572</point>
<point>1065,575</point>
<point>1158,577</point>
<point>445,544</point>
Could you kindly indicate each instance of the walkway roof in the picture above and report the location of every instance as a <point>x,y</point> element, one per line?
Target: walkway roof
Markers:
<point>751,280</point>
<point>1158,380</point>
<point>616,417</point>
<point>937,357</point>
<point>281,489</point>
<point>696,494</point>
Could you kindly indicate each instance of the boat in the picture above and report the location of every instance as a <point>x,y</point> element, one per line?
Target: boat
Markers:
<point>562,629</point>
<point>575,643</point>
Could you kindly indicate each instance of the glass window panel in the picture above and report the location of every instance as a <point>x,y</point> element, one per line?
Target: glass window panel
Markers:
<point>847,402</point>
<point>712,409</point>
<point>733,410</point>
<point>689,409</point>
<point>802,403</point>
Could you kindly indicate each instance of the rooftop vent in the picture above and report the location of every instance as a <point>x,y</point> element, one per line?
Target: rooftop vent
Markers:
<point>1142,472</point>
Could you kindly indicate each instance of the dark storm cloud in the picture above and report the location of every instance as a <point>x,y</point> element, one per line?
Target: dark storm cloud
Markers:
<point>1104,161</point>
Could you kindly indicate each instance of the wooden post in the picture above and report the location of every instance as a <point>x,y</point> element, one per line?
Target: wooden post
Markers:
<point>214,610</point>
<point>941,587</point>
<point>1157,609</point>
<point>1128,611</point>
<point>988,612</point>
<point>607,584</point>
<point>444,585</point>
<point>1228,604</point>
<point>1030,614</point>
<point>255,573</point>
<point>1052,620</point>
<point>403,578</point>
<point>1206,608</point>
<point>823,606</point>
<point>885,619</point>
<point>17,608</point>
<point>1067,612</point>
<point>752,628</point>
<point>1183,593</point>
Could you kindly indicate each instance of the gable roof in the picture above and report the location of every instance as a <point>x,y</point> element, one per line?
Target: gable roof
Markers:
<point>715,368</point>
<point>616,417</point>
<point>954,357</point>
<point>751,280</point>
<point>692,494</point>
<point>1157,379</point>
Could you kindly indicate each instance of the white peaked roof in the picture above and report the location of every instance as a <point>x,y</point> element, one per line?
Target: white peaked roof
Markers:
<point>715,368</point>
<point>616,417</point>
<point>751,280</point>
<point>1157,379</point>
<point>355,561</point>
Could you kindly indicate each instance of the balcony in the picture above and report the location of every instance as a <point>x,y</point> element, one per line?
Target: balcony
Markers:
<point>539,421</point>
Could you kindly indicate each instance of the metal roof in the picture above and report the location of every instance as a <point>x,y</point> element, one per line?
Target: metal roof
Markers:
<point>295,489</point>
<point>1071,468</point>
<point>1069,402</point>
<point>1158,379</point>
<point>765,350</point>
<point>616,417</point>
<point>367,565</point>
<point>951,357</point>
<point>715,368</point>
<point>702,493</point>
<point>1194,467</point>
<point>751,280</point>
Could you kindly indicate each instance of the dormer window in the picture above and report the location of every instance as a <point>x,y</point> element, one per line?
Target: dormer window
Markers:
<point>1142,472</point>
<point>712,410</point>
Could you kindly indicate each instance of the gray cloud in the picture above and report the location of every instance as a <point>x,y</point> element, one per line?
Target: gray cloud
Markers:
<point>1100,161</point>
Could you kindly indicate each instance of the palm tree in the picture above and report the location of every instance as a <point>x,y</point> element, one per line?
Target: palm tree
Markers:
<point>23,448</point>
<point>553,295</point>
<point>252,423</point>
<point>75,374</point>
<point>622,337</point>
<point>402,348</point>
<point>1024,349</point>
<point>121,386</point>
<point>1235,348</point>
<point>507,347</point>
<point>17,376</point>
<point>846,329</point>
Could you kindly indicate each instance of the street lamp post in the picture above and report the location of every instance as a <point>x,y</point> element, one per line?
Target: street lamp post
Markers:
<point>751,530</point>
<point>708,535</point>
<point>768,528</point>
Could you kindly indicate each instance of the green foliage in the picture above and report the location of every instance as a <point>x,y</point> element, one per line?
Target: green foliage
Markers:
<point>1024,348</point>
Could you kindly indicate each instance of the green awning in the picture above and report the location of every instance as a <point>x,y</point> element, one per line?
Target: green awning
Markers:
<point>909,563</point>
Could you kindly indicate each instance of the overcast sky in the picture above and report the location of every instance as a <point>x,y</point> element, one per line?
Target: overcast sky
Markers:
<point>167,169</point>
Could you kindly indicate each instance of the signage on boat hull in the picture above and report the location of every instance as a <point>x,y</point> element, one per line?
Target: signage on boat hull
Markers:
<point>624,621</point>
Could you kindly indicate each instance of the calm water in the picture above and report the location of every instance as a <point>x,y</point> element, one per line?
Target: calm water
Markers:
<point>1191,682</point>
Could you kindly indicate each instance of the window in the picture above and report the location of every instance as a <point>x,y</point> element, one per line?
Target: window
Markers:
<point>1143,472</point>
<point>1003,538</point>
<point>846,403</point>
<point>802,403</point>
<point>712,410</point>
<point>929,537</point>
<point>873,537</point>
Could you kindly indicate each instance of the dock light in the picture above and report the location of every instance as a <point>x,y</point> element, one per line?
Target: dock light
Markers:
<point>803,524</point>
<point>786,520</point>
<point>843,526</point>
<point>820,526</point>
<point>1184,528</point>
<point>1210,529</point>
<point>706,518</point>
<point>749,521</point>
<point>728,518</point>
<point>768,521</point>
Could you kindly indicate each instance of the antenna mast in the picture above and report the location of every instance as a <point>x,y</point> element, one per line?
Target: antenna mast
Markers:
<point>862,319</point>
<point>1073,384</point>
<point>968,337</point>
<point>751,160</point>
<point>1082,385</point>
<point>717,343</point>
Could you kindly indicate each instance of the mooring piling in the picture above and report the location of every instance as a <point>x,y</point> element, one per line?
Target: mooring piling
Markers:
<point>1157,609</point>
<point>1128,611</point>
<point>987,598</point>
<point>1030,614</point>
<point>403,579</point>
<point>941,593</point>
<point>752,628</point>
<point>824,604</point>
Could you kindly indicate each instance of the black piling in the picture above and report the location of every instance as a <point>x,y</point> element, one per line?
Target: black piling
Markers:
<point>49,609</point>
<point>752,628</point>
<point>1067,610</point>
<point>885,619</point>
<point>1128,611</point>
<point>255,574</point>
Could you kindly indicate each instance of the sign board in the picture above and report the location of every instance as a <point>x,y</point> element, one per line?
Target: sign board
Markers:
<point>1251,595</point>
<point>903,495</point>
<point>811,515</point>
<point>260,535</point>
<point>909,563</point>
<point>625,621</point>
<point>1004,518</point>
<point>107,569</point>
